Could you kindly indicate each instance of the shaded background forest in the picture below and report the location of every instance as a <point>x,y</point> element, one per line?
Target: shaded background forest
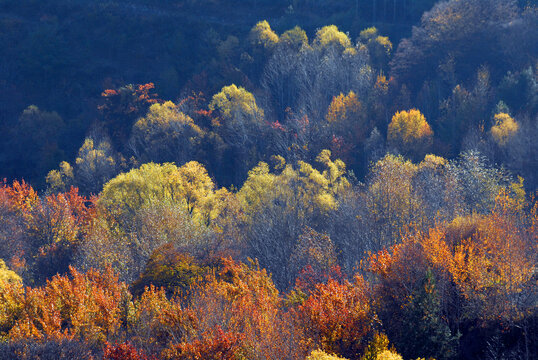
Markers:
<point>376,159</point>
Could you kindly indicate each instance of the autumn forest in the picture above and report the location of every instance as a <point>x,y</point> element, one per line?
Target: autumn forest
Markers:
<point>269,179</point>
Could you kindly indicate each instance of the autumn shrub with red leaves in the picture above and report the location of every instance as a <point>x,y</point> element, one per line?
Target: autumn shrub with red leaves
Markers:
<point>213,344</point>
<point>123,351</point>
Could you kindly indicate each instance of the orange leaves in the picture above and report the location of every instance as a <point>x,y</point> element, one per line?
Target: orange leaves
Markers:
<point>337,317</point>
<point>344,108</point>
<point>84,306</point>
<point>494,268</point>
<point>214,344</point>
<point>21,196</point>
<point>488,259</point>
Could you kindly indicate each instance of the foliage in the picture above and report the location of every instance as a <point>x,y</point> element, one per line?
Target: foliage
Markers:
<point>505,127</point>
<point>170,269</point>
<point>262,35</point>
<point>123,351</point>
<point>189,185</point>
<point>84,306</point>
<point>337,317</point>
<point>329,36</point>
<point>165,134</point>
<point>409,132</point>
<point>321,355</point>
<point>288,199</point>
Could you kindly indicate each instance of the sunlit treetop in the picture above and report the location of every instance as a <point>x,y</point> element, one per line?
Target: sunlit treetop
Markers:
<point>329,36</point>
<point>234,102</point>
<point>189,186</point>
<point>409,131</point>
<point>505,127</point>
<point>295,38</point>
<point>262,35</point>
<point>166,115</point>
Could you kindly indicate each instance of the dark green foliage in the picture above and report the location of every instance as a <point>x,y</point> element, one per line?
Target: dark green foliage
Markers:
<point>417,327</point>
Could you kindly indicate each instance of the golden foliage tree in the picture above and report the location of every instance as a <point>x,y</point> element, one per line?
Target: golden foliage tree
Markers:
<point>505,127</point>
<point>410,133</point>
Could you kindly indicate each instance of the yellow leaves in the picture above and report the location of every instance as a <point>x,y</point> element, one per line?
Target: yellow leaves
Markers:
<point>433,162</point>
<point>409,131</point>
<point>329,36</point>
<point>164,117</point>
<point>312,188</point>
<point>8,276</point>
<point>188,185</point>
<point>505,127</point>
<point>262,35</point>
<point>321,355</point>
<point>408,126</point>
<point>368,34</point>
<point>295,38</point>
<point>385,43</point>
<point>234,103</point>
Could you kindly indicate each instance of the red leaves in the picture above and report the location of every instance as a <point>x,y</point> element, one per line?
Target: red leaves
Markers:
<point>337,316</point>
<point>123,351</point>
<point>214,344</point>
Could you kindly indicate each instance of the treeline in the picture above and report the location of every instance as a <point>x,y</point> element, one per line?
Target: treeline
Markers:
<point>469,68</point>
<point>437,257</point>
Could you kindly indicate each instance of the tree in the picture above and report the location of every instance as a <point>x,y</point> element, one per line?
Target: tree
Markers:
<point>409,132</point>
<point>505,128</point>
<point>379,47</point>
<point>38,145</point>
<point>347,121</point>
<point>86,307</point>
<point>468,32</point>
<point>315,253</point>
<point>390,201</point>
<point>337,317</point>
<point>279,204</point>
<point>240,125</point>
<point>60,180</point>
<point>295,39</point>
<point>123,106</point>
<point>165,134</point>
<point>154,205</point>
<point>262,35</point>
<point>189,185</point>
<point>329,36</point>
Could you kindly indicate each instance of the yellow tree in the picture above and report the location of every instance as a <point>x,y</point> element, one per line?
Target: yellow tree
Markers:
<point>240,124</point>
<point>262,35</point>
<point>410,133</point>
<point>348,122</point>
<point>378,46</point>
<point>329,36</point>
<point>165,134</point>
<point>295,38</point>
<point>279,203</point>
<point>153,205</point>
<point>505,127</point>
<point>390,199</point>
